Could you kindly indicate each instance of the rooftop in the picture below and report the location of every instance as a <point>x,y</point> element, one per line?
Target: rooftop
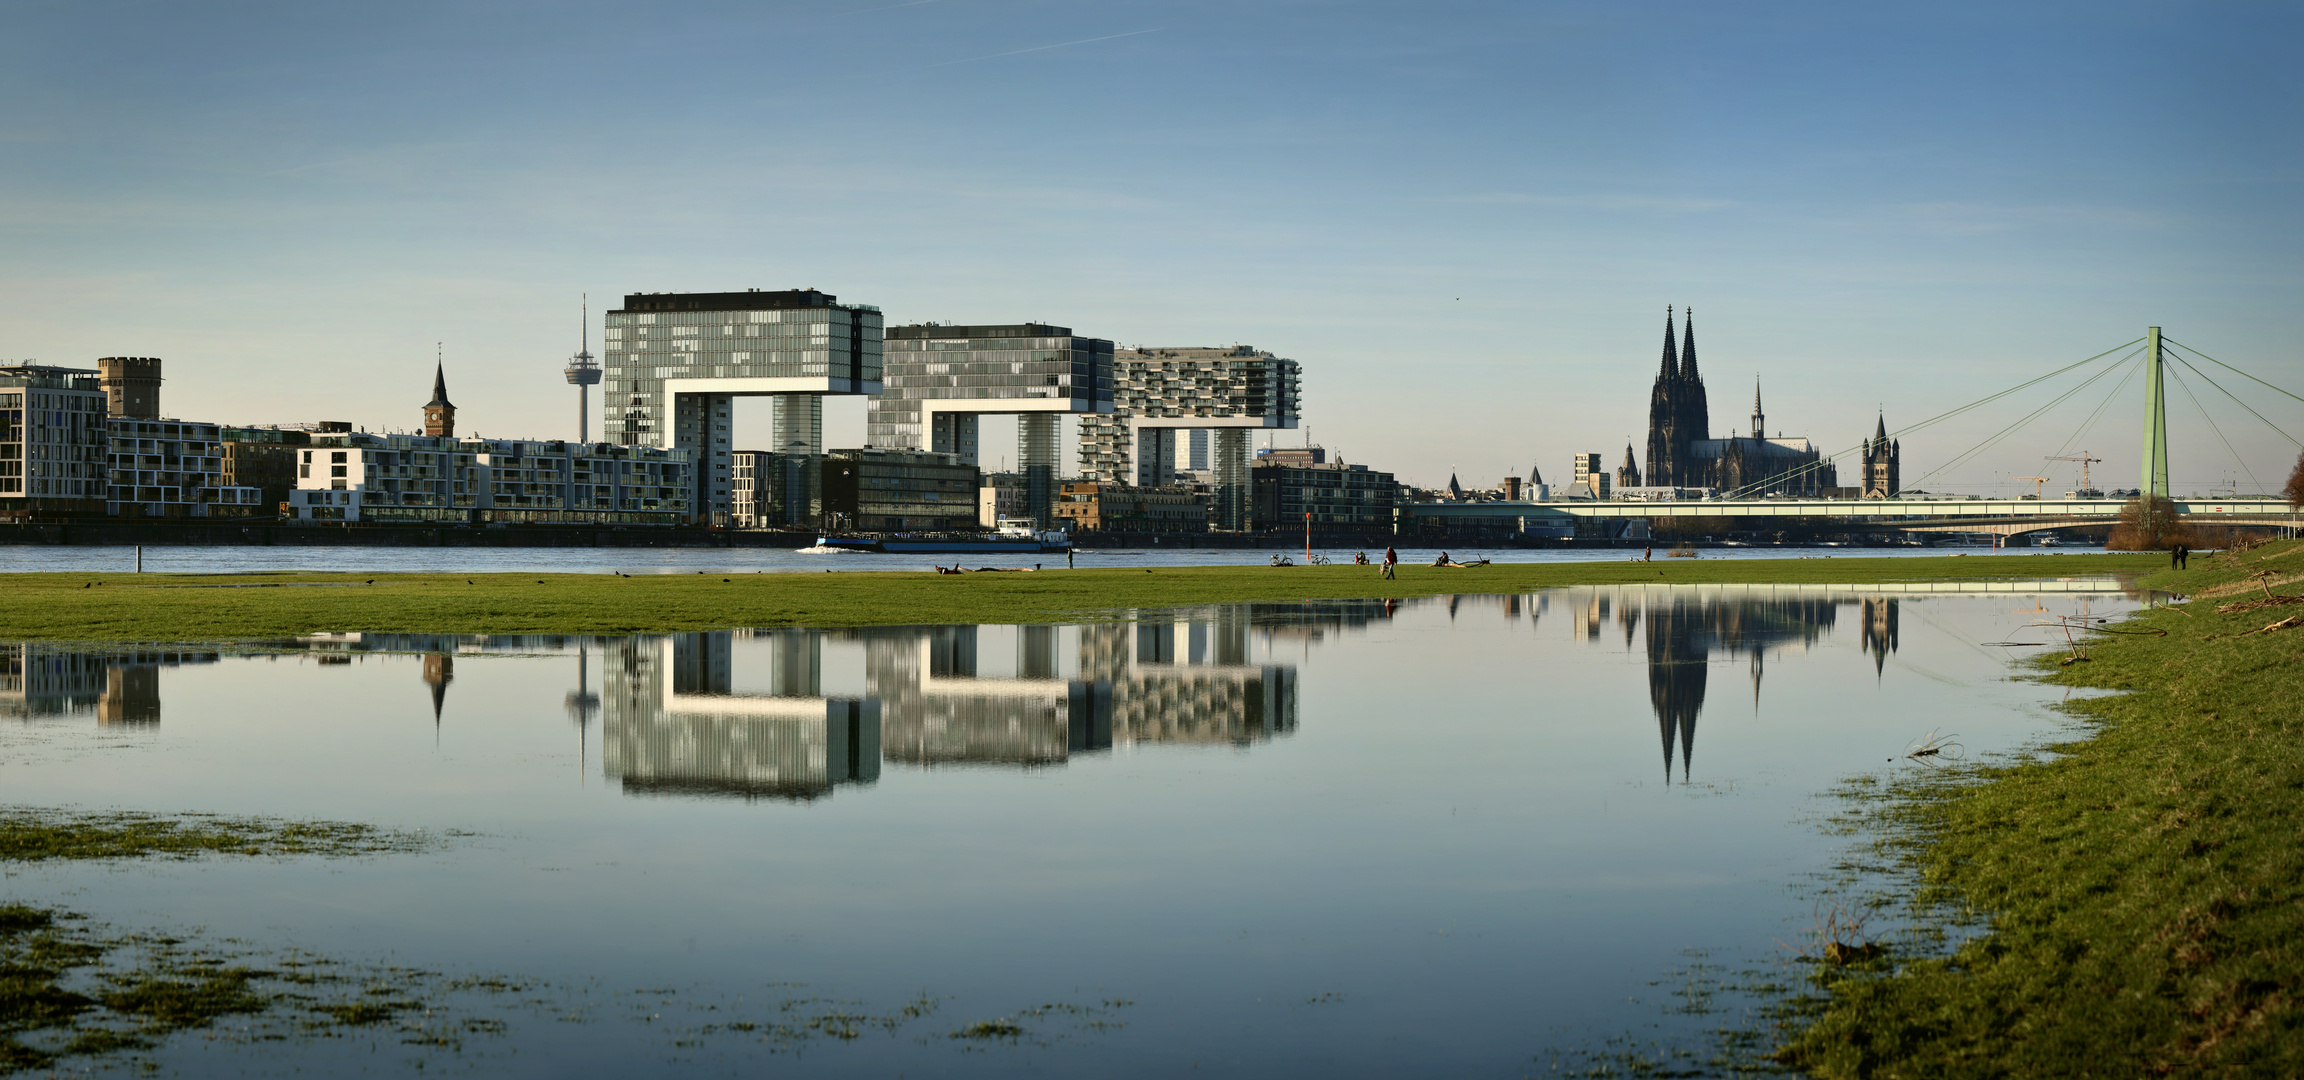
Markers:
<point>748,300</point>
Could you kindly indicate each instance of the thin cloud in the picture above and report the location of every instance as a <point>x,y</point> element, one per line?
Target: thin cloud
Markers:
<point>1045,48</point>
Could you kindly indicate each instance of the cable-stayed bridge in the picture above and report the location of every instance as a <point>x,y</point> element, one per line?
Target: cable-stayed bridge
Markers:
<point>2004,517</point>
<point>2157,359</point>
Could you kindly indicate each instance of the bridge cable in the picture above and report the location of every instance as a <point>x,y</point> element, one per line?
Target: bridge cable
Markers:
<point>2003,433</point>
<point>2236,400</point>
<point>2204,418</point>
<point>2090,423</point>
<point>2230,368</point>
<point>1901,432</point>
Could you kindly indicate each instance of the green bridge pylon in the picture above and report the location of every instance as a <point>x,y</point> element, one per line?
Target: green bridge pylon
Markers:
<point>2155,480</point>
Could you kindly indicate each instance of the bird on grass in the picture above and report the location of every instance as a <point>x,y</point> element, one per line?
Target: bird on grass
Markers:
<point>467,581</point>
<point>723,581</point>
<point>87,584</point>
<point>370,581</point>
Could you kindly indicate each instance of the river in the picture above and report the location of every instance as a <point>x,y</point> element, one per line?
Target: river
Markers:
<point>1457,836</point>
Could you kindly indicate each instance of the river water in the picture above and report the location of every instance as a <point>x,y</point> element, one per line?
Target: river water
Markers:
<point>1456,836</point>
<point>18,558</point>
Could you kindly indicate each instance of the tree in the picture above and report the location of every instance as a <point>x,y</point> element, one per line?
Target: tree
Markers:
<point>2295,488</point>
<point>2148,523</point>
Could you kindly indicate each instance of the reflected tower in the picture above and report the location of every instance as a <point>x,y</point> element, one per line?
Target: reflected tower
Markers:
<point>1879,631</point>
<point>1677,656</point>
<point>439,671</point>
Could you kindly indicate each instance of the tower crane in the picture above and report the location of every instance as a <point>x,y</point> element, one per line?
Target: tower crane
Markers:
<point>2084,460</point>
<point>2037,481</point>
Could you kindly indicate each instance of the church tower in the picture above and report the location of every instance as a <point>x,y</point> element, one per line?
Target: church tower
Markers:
<point>439,413</point>
<point>1663,464</point>
<point>1628,474</point>
<point>1677,413</point>
<point>1883,464</point>
<point>1695,415</point>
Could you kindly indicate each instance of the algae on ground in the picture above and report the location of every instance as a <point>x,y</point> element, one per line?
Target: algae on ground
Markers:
<point>32,834</point>
<point>2140,889</point>
<point>71,989</point>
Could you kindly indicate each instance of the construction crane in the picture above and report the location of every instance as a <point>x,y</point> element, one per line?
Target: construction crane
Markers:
<point>2083,459</point>
<point>2037,481</point>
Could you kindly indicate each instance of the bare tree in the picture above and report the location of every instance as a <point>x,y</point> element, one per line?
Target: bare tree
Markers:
<point>2148,523</point>
<point>2295,488</point>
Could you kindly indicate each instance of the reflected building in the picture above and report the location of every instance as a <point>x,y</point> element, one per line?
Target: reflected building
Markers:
<point>439,671</point>
<point>1685,630</point>
<point>934,697</point>
<point>1879,630</point>
<point>672,724</point>
<point>120,685</point>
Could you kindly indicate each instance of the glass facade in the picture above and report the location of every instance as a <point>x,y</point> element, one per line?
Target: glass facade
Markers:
<point>1030,366</point>
<point>939,379</point>
<point>674,362</point>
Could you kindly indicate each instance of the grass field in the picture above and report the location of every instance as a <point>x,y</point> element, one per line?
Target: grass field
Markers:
<point>2144,886</point>
<point>191,607</point>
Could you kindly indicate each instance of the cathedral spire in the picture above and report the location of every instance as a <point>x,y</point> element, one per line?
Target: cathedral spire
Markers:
<point>1671,359</point>
<point>1759,419</point>
<point>1688,344</point>
<point>1880,430</point>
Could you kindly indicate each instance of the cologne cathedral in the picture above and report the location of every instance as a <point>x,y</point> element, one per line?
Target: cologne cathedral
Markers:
<point>1683,454</point>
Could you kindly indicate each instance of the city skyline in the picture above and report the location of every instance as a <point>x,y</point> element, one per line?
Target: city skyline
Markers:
<point>1465,224</point>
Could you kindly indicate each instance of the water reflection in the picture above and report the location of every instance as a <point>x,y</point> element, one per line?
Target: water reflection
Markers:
<point>120,685</point>
<point>748,713</point>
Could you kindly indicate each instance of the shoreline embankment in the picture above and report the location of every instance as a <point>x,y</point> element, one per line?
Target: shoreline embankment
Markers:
<point>2141,887</point>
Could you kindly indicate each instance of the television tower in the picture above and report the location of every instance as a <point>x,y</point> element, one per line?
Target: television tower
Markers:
<point>584,374</point>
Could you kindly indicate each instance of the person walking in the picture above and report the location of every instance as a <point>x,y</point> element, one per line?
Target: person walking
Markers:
<point>1391,559</point>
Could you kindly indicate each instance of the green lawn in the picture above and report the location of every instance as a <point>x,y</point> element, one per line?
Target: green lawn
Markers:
<point>2145,887</point>
<point>173,607</point>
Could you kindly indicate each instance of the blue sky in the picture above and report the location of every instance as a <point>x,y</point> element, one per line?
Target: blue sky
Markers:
<point>1465,219</point>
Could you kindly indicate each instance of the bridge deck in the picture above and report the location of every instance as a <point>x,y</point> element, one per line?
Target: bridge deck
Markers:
<point>1870,511</point>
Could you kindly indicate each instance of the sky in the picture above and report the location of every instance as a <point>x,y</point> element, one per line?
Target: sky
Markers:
<point>1464,219</point>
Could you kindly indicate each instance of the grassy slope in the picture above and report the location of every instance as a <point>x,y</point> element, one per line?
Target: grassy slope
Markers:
<point>129,607</point>
<point>2146,887</point>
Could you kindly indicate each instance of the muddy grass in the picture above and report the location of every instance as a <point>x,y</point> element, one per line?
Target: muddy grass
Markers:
<point>2130,903</point>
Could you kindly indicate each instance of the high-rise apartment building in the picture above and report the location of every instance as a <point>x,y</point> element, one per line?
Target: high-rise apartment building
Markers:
<point>940,379</point>
<point>1158,392</point>
<point>52,441</point>
<point>675,363</point>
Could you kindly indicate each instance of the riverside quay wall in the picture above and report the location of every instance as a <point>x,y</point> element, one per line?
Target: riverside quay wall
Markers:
<point>222,533</point>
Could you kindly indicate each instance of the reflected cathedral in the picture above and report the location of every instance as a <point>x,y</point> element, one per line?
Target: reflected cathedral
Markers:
<point>1683,632</point>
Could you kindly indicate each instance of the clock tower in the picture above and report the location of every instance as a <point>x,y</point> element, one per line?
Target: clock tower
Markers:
<point>439,413</point>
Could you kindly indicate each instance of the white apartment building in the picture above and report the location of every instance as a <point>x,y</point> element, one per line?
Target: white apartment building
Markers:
<point>401,478</point>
